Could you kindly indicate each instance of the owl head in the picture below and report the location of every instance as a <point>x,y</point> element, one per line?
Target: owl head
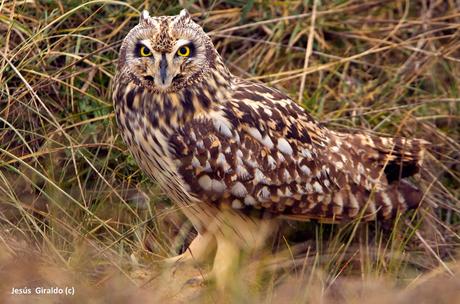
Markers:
<point>166,53</point>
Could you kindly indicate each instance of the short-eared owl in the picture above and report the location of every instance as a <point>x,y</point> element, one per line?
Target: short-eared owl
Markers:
<point>237,155</point>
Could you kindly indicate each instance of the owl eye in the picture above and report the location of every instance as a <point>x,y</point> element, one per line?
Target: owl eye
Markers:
<point>145,52</point>
<point>184,51</point>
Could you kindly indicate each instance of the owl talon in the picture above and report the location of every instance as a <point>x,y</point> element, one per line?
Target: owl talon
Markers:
<point>176,260</point>
<point>199,250</point>
<point>198,281</point>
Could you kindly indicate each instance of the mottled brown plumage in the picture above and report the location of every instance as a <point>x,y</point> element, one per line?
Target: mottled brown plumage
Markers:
<point>216,142</point>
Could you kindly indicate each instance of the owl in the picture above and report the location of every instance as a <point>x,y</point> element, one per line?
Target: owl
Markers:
<point>237,156</point>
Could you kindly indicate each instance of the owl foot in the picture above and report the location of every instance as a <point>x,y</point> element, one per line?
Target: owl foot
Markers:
<point>198,251</point>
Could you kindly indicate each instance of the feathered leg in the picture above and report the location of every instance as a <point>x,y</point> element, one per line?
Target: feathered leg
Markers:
<point>236,234</point>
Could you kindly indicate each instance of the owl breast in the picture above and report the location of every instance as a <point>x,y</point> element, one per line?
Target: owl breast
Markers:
<point>147,136</point>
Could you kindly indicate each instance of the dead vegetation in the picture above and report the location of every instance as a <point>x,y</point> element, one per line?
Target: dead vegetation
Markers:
<point>76,210</point>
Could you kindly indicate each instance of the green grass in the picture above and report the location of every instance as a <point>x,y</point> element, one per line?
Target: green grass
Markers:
<point>75,210</point>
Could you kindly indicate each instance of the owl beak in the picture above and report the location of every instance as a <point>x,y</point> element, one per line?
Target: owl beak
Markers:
<point>164,72</point>
<point>163,69</point>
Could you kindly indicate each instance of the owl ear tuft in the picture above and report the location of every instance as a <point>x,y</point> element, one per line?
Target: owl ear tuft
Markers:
<point>184,14</point>
<point>144,17</point>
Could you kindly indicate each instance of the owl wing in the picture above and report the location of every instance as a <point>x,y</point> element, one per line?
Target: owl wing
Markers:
<point>261,150</point>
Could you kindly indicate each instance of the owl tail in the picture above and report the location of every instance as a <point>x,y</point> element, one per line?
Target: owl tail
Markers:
<point>358,202</point>
<point>397,197</point>
<point>400,157</point>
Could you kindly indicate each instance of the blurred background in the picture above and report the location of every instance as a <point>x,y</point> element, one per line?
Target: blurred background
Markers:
<point>75,210</point>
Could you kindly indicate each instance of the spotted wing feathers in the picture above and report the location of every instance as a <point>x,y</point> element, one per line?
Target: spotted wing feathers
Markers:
<point>262,151</point>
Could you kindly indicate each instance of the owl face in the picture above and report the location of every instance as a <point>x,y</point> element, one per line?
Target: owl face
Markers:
<point>166,53</point>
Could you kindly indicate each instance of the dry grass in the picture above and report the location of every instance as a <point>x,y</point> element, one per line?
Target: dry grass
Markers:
<point>76,210</point>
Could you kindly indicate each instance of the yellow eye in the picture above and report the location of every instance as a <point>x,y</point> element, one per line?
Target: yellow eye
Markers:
<point>145,52</point>
<point>183,51</point>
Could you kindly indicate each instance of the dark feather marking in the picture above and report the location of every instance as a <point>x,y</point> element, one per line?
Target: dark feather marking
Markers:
<point>130,98</point>
<point>248,95</point>
<point>395,170</point>
<point>204,100</point>
<point>230,115</point>
<point>187,101</point>
<point>153,119</point>
<point>155,140</point>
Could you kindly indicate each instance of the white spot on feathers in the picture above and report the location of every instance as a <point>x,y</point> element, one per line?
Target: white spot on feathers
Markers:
<point>305,170</point>
<point>335,149</point>
<point>326,200</point>
<point>195,162</point>
<point>221,161</point>
<point>237,137</point>
<point>287,192</point>
<point>239,161</point>
<point>280,157</point>
<point>306,153</point>
<point>207,167</point>
<point>338,199</point>
<point>400,198</point>
<point>271,162</point>
<point>211,185</point>
<point>250,201</point>
<point>279,192</point>
<point>339,165</point>
<point>286,175</point>
<point>267,142</point>
<point>284,146</point>
<point>222,127</point>
<point>242,172</point>
<point>236,204</point>
<point>259,177</point>
<point>360,168</point>
<point>251,163</point>
<point>386,200</point>
<point>239,190</point>
<point>371,208</point>
<point>192,136</point>
<point>254,133</point>
<point>318,187</point>
<point>200,144</point>
<point>357,179</point>
<point>264,194</point>
<point>354,205</point>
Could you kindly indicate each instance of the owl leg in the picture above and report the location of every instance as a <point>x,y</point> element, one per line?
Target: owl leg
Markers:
<point>199,250</point>
<point>225,262</point>
<point>237,236</point>
<point>224,267</point>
